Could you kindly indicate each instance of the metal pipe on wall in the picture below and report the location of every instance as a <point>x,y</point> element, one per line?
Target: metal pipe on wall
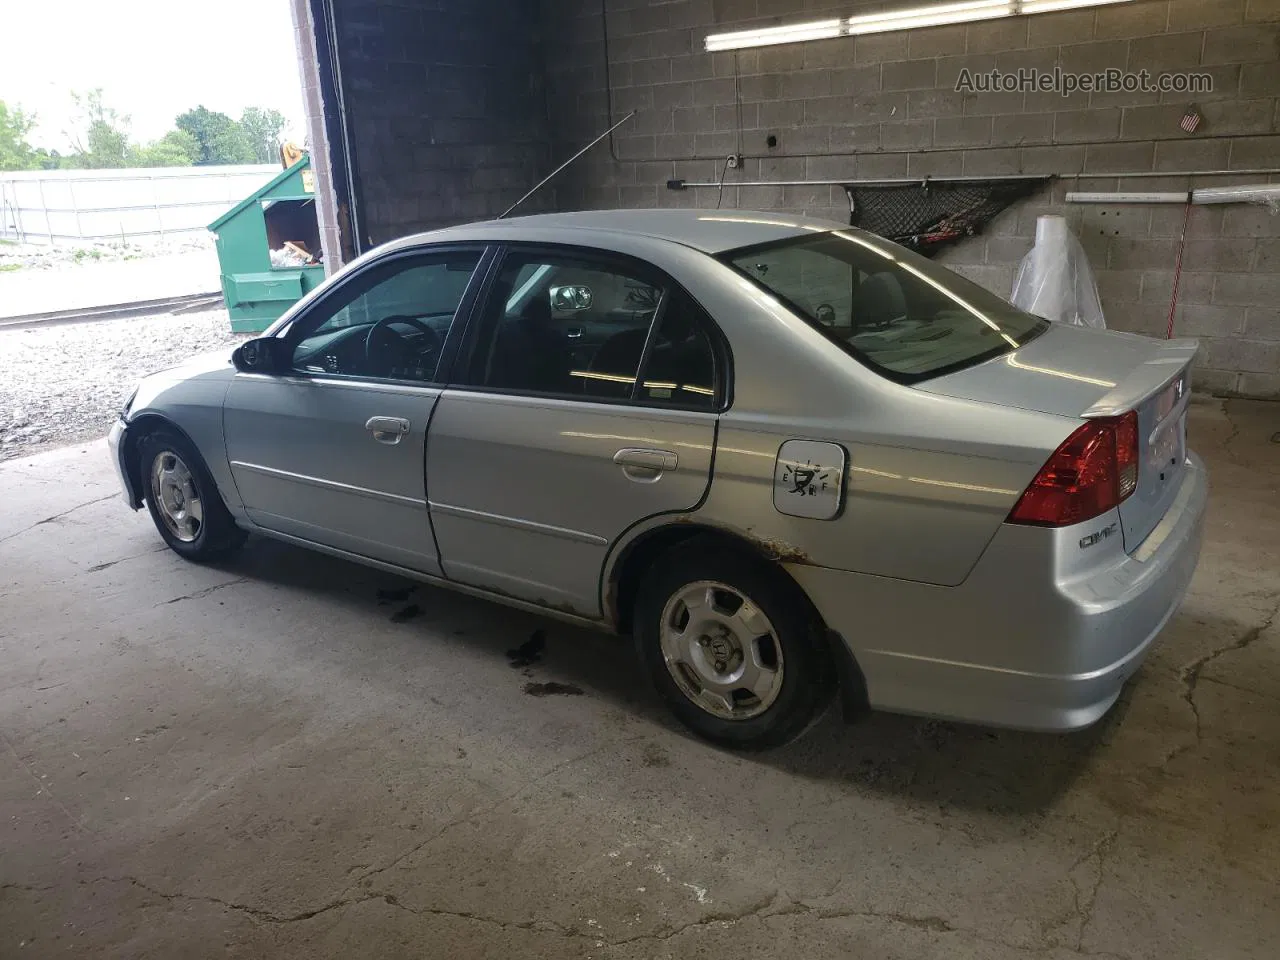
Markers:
<point>905,181</point>
<point>879,182</point>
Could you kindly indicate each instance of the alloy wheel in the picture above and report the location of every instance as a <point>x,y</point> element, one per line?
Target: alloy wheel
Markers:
<point>176,496</point>
<point>721,650</point>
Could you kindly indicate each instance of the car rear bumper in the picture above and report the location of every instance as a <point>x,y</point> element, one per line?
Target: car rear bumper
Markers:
<point>117,442</point>
<point>1040,636</point>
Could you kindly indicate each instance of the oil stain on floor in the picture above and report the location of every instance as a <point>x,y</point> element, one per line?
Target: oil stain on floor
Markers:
<point>529,652</point>
<point>552,688</point>
<point>406,614</point>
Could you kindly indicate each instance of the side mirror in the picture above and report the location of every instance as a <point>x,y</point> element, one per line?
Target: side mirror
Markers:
<point>571,298</point>
<point>262,355</point>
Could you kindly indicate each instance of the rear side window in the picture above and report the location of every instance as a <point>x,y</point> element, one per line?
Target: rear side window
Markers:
<point>681,366</point>
<point>892,309</point>
<point>564,326</point>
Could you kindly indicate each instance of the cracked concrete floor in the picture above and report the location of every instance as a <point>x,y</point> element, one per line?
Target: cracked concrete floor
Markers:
<point>258,760</point>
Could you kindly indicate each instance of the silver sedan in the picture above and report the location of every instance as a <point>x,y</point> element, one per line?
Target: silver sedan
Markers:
<point>794,461</point>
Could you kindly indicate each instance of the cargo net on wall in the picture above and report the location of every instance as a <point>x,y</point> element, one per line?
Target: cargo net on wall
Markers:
<point>929,216</point>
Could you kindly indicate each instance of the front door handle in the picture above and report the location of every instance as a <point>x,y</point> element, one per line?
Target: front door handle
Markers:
<point>644,463</point>
<point>387,430</point>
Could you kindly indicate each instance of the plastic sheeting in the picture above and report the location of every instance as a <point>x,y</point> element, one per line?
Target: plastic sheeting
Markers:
<point>1055,280</point>
<point>1268,194</point>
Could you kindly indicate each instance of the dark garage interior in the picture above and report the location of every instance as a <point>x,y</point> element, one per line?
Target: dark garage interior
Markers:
<point>451,111</point>
<point>287,755</point>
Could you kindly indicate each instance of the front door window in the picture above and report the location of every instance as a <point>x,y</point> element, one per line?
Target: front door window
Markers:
<point>390,323</point>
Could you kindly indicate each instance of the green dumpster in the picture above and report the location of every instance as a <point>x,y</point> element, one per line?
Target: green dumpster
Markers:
<point>269,249</point>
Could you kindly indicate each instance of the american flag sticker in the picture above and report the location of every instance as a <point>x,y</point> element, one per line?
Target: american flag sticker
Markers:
<point>1191,119</point>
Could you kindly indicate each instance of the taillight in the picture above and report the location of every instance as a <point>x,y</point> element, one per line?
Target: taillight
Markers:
<point>1090,473</point>
<point>1127,452</point>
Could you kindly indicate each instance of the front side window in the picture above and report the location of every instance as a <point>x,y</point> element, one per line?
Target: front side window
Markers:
<point>390,323</point>
<point>896,311</point>
<point>572,327</point>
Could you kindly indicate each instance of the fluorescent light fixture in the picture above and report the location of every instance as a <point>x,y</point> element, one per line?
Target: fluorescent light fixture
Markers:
<point>1048,6</point>
<point>969,11</point>
<point>817,30</point>
<point>926,16</point>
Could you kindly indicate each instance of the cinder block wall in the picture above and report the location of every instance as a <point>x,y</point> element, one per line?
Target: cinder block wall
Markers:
<point>446,108</point>
<point>886,106</point>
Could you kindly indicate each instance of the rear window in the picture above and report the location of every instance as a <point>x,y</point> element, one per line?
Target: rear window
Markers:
<point>892,309</point>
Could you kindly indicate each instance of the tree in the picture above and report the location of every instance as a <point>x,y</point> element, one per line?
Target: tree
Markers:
<point>15,152</point>
<point>106,140</point>
<point>42,159</point>
<point>177,148</point>
<point>262,128</point>
<point>219,138</point>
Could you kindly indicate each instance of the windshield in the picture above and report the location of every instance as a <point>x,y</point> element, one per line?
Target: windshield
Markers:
<point>894,310</point>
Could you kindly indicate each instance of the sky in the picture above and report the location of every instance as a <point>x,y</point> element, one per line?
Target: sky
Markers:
<point>153,59</point>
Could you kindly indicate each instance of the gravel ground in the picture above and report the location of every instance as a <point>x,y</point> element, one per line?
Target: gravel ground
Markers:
<point>32,256</point>
<point>63,384</point>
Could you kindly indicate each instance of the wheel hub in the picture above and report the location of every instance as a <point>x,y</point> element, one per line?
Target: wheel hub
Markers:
<point>176,497</point>
<point>721,650</point>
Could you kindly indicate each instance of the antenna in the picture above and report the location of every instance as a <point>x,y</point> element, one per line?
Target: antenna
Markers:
<point>549,176</point>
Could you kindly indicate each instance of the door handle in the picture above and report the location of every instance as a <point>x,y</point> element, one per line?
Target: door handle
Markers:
<point>644,458</point>
<point>387,430</point>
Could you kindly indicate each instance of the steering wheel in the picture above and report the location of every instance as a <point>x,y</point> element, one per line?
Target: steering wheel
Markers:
<point>383,346</point>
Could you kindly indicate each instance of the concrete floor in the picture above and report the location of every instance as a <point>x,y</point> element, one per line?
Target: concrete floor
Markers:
<point>290,756</point>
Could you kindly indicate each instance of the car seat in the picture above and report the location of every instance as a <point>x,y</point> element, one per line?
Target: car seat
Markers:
<point>619,356</point>
<point>878,302</point>
<point>529,353</point>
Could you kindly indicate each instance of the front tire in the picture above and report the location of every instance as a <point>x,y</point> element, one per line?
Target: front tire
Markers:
<point>733,646</point>
<point>183,500</point>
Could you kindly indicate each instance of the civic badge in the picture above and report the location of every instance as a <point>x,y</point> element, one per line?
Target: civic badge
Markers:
<point>808,479</point>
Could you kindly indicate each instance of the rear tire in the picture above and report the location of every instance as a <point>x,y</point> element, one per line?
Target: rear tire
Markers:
<point>733,646</point>
<point>183,499</point>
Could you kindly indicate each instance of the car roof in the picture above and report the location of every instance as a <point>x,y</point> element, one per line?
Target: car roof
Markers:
<point>711,231</point>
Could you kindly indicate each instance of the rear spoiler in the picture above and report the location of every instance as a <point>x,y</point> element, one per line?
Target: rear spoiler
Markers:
<point>1172,357</point>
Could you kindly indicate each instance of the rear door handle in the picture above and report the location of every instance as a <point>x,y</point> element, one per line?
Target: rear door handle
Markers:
<point>387,430</point>
<point>646,459</point>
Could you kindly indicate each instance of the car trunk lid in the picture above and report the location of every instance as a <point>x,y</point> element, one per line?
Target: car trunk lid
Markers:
<point>1081,372</point>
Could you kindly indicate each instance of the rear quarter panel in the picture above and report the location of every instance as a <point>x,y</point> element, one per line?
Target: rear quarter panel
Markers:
<point>917,505</point>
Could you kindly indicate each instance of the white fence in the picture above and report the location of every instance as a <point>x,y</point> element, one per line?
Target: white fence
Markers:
<point>64,206</point>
